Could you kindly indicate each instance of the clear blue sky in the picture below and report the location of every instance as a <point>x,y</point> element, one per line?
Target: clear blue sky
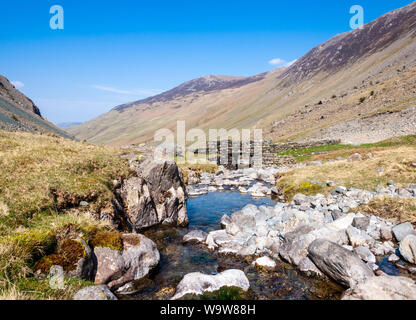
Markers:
<point>112,52</point>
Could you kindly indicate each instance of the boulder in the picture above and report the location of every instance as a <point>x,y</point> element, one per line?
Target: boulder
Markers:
<point>198,283</point>
<point>140,256</point>
<point>156,196</point>
<point>95,293</point>
<point>402,230</point>
<point>382,288</point>
<point>338,263</point>
<point>195,235</point>
<point>110,265</point>
<point>408,248</point>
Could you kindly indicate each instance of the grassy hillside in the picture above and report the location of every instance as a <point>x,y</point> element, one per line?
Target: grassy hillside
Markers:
<point>42,180</point>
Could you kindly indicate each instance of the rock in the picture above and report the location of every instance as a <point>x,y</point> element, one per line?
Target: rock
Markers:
<point>95,293</point>
<point>299,199</point>
<point>85,266</point>
<point>390,183</point>
<point>336,214</point>
<point>414,164</point>
<point>402,230</point>
<point>84,204</point>
<point>365,254</point>
<point>295,244</point>
<point>338,263</point>
<point>341,190</point>
<point>265,262</point>
<point>225,220</point>
<point>355,157</point>
<point>361,223</point>
<point>412,270</point>
<point>368,156</point>
<point>198,283</point>
<point>408,248</point>
<point>308,267</point>
<point>110,265</point>
<point>342,223</point>
<point>274,191</point>
<point>386,233</point>
<point>195,235</point>
<point>358,238</point>
<point>393,258</point>
<point>140,256</point>
<point>382,288</point>
<point>233,229</point>
<point>157,196</point>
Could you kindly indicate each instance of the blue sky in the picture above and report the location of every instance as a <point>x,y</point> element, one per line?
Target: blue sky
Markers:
<point>115,52</point>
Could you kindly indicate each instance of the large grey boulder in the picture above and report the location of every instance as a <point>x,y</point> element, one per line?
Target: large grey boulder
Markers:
<point>110,265</point>
<point>156,196</point>
<point>408,248</point>
<point>95,293</point>
<point>382,288</point>
<point>402,230</point>
<point>338,263</point>
<point>198,283</point>
<point>140,256</point>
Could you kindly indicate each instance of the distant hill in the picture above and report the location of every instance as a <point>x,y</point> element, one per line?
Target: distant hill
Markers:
<point>19,113</point>
<point>355,75</point>
<point>66,125</point>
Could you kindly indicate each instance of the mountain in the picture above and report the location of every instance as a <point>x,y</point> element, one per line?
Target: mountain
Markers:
<point>19,113</point>
<point>66,125</point>
<point>362,76</point>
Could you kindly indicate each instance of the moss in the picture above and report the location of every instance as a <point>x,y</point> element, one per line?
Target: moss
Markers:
<point>108,239</point>
<point>69,254</point>
<point>306,187</point>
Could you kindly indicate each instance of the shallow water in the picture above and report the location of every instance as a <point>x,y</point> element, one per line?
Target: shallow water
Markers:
<point>178,259</point>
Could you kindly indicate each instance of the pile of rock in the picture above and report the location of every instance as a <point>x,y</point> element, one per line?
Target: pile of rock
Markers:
<point>318,234</point>
<point>256,182</point>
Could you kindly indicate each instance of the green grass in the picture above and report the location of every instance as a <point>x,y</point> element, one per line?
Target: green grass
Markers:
<point>42,180</point>
<point>307,154</point>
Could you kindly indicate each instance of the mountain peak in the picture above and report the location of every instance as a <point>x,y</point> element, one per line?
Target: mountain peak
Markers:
<point>203,84</point>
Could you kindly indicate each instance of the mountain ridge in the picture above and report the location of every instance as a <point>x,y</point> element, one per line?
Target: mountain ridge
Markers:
<point>349,66</point>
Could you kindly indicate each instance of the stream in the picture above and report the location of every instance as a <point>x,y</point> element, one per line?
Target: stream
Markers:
<point>178,259</point>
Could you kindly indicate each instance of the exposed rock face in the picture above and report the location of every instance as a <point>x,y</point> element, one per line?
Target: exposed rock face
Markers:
<point>408,248</point>
<point>382,288</point>
<point>198,283</point>
<point>157,196</point>
<point>95,293</point>
<point>338,263</point>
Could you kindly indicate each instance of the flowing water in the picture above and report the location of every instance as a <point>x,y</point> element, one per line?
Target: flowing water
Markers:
<point>178,259</point>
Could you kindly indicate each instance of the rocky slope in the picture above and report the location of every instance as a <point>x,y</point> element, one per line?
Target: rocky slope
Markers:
<point>19,113</point>
<point>353,75</point>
